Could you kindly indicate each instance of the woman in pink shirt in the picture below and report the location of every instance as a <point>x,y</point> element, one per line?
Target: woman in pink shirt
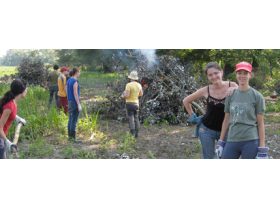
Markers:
<point>8,112</point>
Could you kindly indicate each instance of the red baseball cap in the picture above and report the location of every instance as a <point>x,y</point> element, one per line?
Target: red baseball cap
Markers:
<point>64,69</point>
<point>244,66</point>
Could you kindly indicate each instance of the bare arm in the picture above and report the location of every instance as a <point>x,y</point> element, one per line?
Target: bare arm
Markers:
<point>75,90</point>
<point>232,88</point>
<point>198,94</point>
<point>65,88</point>
<point>260,122</point>
<point>141,92</point>
<point>225,127</point>
<point>127,93</point>
<point>3,120</point>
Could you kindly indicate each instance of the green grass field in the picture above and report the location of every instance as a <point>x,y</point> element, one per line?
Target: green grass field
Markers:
<point>7,70</point>
<point>90,78</point>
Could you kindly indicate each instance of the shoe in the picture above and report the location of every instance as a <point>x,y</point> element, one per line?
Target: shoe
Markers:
<point>77,141</point>
<point>132,131</point>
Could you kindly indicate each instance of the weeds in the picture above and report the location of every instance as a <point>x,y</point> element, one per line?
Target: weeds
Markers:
<point>127,143</point>
<point>151,154</point>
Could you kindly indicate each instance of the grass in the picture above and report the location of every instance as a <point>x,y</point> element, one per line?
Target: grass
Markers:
<point>7,70</point>
<point>273,107</point>
<point>90,78</point>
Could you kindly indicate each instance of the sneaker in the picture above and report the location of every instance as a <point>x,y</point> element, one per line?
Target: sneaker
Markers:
<point>77,141</point>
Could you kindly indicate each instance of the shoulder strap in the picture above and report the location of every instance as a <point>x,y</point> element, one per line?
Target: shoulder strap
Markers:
<point>229,84</point>
<point>61,77</point>
<point>208,91</point>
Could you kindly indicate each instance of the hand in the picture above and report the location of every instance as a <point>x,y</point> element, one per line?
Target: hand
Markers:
<point>10,144</point>
<point>80,108</point>
<point>231,91</point>
<point>20,120</point>
<point>194,119</point>
<point>262,153</point>
<point>123,94</point>
<point>220,148</point>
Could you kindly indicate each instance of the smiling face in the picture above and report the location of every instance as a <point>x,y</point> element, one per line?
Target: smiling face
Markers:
<point>243,77</point>
<point>214,75</point>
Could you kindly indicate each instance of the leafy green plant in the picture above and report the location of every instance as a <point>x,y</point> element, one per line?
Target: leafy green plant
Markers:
<point>151,154</point>
<point>127,142</point>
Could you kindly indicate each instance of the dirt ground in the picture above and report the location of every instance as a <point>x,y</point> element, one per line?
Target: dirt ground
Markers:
<point>154,141</point>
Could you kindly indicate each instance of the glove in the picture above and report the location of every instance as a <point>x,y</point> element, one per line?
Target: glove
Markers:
<point>10,144</point>
<point>220,148</point>
<point>80,108</point>
<point>123,94</point>
<point>195,119</point>
<point>20,120</point>
<point>262,153</point>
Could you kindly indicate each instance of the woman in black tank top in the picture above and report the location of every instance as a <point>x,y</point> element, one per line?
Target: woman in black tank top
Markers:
<point>215,95</point>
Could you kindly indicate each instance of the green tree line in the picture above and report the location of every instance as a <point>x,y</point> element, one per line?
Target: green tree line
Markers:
<point>13,57</point>
<point>264,61</point>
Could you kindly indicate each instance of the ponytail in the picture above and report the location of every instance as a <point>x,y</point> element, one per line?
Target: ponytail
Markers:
<point>17,87</point>
<point>8,96</point>
<point>73,71</point>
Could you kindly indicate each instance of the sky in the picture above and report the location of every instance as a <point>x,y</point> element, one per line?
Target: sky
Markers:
<point>3,52</point>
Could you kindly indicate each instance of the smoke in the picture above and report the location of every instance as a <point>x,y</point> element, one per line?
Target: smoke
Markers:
<point>150,54</point>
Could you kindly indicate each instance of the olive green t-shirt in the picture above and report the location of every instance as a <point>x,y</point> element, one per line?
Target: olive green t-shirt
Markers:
<point>52,78</point>
<point>243,107</point>
<point>134,88</point>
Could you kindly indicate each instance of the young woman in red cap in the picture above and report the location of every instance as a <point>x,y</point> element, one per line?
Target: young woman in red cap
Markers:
<point>8,112</point>
<point>215,95</point>
<point>244,119</point>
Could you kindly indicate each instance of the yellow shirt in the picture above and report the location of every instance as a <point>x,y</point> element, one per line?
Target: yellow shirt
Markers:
<point>61,91</point>
<point>134,88</point>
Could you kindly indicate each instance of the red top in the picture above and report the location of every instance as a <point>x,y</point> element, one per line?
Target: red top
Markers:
<point>10,105</point>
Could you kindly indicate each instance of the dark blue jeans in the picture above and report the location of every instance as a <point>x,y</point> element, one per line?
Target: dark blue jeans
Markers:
<point>73,119</point>
<point>207,138</point>
<point>3,149</point>
<point>247,149</point>
<point>53,91</point>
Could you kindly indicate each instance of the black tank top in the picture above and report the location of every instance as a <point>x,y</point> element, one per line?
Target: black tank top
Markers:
<point>215,114</point>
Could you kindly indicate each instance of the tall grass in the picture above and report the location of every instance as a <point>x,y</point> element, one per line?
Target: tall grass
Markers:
<point>42,121</point>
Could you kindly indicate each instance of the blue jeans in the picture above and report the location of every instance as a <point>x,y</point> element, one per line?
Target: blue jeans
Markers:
<point>207,138</point>
<point>3,149</point>
<point>53,91</point>
<point>73,119</point>
<point>247,149</point>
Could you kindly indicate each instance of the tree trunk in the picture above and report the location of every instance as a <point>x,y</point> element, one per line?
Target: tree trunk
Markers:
<point>227,70</point>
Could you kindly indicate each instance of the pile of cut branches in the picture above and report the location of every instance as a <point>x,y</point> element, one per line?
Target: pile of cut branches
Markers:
<point>165,83</point>
<point>33,71</point>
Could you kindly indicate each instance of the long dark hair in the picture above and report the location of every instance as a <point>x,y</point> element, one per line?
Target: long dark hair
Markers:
<point>17,87</point>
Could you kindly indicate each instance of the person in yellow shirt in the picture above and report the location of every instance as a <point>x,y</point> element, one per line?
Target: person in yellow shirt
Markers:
<point>62,90</point>
<point>132,91</point>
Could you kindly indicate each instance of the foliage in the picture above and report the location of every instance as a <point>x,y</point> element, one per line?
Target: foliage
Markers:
<point>14,57</point>
<point>273,107</point>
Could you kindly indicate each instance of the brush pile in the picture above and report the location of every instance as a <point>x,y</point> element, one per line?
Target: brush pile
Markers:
<point>165,81</point>
<point>33,71</point>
